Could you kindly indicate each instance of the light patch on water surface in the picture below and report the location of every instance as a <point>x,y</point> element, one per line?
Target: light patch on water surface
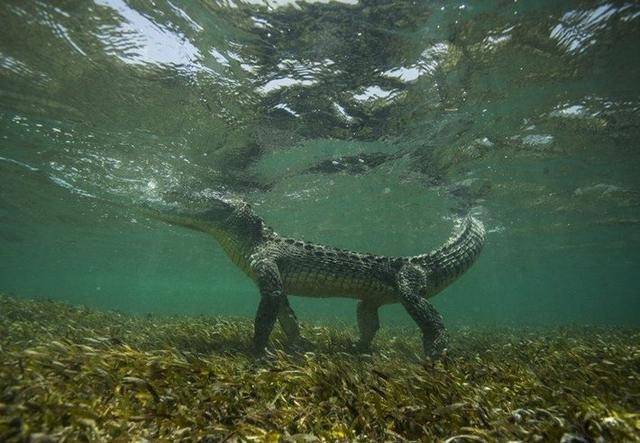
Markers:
<point>298,73</point>
<point>342,113</point>
<point>248,67</point>
<point>65,184</point>
<point>139,40</point>
<point>430,59</point>
<point>601,188</point>
<point>537,139</point>
<point>485,142</point>
<point>22,69</point>
<point>234,55</point>
<point>284,82</point>
<point>629,17</point>
<point>16,162</point>
<point>63,33</point>
<point>614,195</point>
<point>260,23</point>
<point>194,25</point>
<point>496,40</point>
<point>286,108</point>
<point>404,74</point>
<point>373,93</point>
<point>578,29</point>
<point>305,68</point>
<point>573,111</point>
<point>304,194</point>
<point>433,55</point>
<point>291,3</point>
<point>52,17</point>
<point>220,58</point>
<point>590,112</point>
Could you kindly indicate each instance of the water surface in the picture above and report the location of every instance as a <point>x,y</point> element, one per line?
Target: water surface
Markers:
<point>367,125</point>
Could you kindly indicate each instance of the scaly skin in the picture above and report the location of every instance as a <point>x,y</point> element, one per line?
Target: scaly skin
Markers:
<point>283,266</point>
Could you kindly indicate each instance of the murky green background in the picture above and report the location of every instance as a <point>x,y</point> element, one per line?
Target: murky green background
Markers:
<point>361,124</point>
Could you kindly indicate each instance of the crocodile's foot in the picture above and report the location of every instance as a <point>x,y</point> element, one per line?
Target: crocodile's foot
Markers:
<point>300,344</point>
<point>435,348</point>
<point>359,347</point>
<point>266,357</point>
<point>258,352</point>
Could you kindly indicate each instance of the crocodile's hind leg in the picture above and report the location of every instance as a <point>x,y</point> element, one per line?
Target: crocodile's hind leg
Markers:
<point>271,298</point>
<point>411,282</point>
<point>288,321</point>
<point>368,323</point>
<point>290,326</point>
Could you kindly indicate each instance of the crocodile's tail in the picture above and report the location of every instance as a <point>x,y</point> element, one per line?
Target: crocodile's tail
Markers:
<point>456,255</point>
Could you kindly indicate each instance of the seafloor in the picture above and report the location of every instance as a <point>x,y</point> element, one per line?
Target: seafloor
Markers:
<point>75,374</point>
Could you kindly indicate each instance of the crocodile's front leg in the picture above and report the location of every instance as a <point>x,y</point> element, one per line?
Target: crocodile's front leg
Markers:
<point>271,299</point>
<point>411,283</point>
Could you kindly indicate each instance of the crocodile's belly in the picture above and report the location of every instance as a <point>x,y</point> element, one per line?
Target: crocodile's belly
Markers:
<point>319,281</point>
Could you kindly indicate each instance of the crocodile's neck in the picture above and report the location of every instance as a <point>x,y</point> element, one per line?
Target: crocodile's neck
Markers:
<point>236,248</point>
<point>240,236</point>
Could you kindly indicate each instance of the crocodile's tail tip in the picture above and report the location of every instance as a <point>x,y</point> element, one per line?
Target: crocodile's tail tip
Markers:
<point>471,218</point>
<point>468,228</point>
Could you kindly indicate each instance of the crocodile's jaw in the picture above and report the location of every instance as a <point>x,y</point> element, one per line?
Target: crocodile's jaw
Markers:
<point>206,216</point>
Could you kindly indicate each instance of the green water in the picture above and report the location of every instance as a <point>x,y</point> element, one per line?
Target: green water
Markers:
<point>366,125</point>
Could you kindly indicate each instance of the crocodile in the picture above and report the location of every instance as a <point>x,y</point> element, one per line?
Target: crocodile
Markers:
<point>282,266</point>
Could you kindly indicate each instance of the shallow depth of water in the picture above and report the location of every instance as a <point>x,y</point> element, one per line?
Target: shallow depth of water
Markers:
<point>366,125</point>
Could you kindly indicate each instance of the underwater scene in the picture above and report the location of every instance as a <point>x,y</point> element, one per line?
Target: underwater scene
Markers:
<point>319,221</point>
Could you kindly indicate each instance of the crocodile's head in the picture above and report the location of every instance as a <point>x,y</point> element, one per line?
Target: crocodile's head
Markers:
<point>209,212</point>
